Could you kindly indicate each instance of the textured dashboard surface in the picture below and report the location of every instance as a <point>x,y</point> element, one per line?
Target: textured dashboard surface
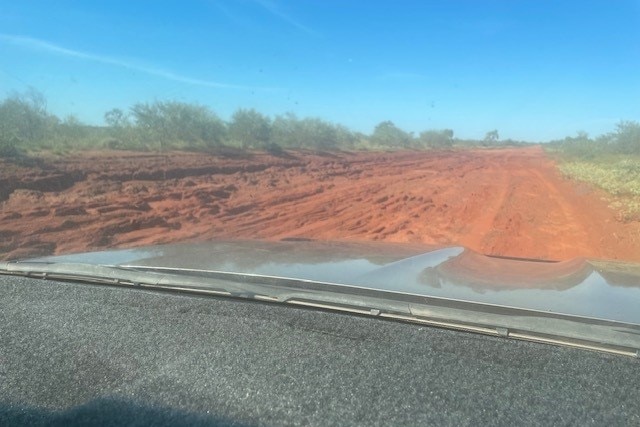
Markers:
<point>77,354</point>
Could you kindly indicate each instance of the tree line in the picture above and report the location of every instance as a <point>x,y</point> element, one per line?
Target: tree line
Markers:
<point>26,124</point>
<point>624,140</point>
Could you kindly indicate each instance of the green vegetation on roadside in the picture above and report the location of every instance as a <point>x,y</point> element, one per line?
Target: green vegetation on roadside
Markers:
<point>610,162</point>
<point>26,125</point>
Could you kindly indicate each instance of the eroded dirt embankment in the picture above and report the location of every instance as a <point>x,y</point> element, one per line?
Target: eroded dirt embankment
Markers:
<point>509,202</point>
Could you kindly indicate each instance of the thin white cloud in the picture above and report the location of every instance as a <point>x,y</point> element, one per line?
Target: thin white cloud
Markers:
<point>273,8</point>
<point>51,48</point>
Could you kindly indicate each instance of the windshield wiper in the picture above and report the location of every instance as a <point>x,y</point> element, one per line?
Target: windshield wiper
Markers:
<point>502,321</point>
<point>128,276</point>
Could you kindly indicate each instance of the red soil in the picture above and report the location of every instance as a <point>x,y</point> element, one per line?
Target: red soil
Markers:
<point>510,202</point>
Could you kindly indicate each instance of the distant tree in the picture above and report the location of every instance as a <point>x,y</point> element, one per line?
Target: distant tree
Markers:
<point>317,133</point>
<point>386,134</point>
<point>582,136</point>
<point>119,129</point>
<point>345,137</point>
<point>436,138</point>
<point>285,130</point>
<point>250,128</point>
<point>116,118</point>
<point>491,137</point>
<point>24,120</point>
<point>71,129</point>
<point>178,122</point>
<point>289,131</point>
<point>25,115</point>
<point>626,137</point>
<point>150,123</point>
<point>448,133</point>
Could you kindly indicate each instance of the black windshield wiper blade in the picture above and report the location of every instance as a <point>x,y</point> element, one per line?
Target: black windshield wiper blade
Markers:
<point>240,285</point>
<point>509,322</point>
<point>128,276</point>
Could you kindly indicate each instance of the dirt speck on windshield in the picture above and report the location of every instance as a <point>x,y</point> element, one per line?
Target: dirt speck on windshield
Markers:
<point>510,202</point>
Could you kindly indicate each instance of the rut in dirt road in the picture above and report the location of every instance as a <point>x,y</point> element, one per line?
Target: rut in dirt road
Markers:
<point>510,202</point>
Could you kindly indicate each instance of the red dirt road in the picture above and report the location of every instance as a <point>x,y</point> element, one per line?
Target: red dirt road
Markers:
<point>510,202</point>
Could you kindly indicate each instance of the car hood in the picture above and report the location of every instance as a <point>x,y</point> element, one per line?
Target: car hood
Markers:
<point>579,287</point>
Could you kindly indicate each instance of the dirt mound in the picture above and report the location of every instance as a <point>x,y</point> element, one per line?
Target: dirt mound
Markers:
<point>509,202</point>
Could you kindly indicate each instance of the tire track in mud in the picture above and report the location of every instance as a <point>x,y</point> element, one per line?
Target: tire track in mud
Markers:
<point>484,227</point>
<point>531,212</point>
<point>509,202</point>
<point>574,229</point>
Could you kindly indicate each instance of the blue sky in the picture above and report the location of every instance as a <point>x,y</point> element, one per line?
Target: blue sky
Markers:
<point>534,70</point>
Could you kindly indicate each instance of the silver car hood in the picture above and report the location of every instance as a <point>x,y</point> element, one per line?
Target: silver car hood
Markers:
<point>580,287</point>
<point>581,303</point>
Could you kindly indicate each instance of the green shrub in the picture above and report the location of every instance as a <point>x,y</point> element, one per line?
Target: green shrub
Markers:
<point>387,134</point>
<point>175,124</point>
<point>249,129</point>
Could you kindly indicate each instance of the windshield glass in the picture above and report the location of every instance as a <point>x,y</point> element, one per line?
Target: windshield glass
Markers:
<point>508,128</point>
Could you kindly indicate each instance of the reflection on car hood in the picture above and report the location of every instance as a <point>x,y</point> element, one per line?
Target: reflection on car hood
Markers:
<point>579,287</point>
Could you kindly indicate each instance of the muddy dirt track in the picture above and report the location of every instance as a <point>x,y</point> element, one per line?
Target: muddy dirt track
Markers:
<point>510,202</point>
